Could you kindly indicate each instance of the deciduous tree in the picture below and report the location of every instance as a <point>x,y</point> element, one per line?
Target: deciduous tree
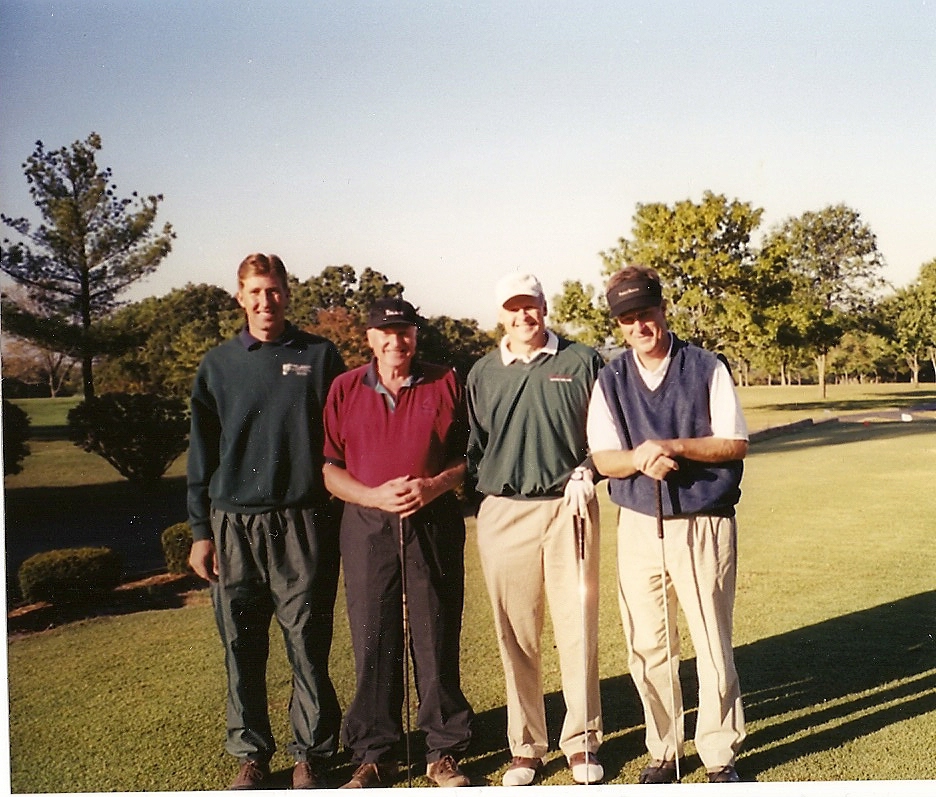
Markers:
<point>170,335</point>
<point>831,255</point>
<point>705,258</point>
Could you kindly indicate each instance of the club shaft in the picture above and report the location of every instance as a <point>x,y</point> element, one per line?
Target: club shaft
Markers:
<point>666,621</point>
<point>406,663</point>
<point>579,524</point>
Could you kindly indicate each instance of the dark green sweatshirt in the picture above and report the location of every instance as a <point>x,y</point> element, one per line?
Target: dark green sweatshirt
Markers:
<point>256,437</point>
<point>528,420</point>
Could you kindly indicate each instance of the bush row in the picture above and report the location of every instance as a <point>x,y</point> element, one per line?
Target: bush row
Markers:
<point>85,575</point>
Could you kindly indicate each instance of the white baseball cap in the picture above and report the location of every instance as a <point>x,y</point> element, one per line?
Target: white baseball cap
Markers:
<point>518,285</point>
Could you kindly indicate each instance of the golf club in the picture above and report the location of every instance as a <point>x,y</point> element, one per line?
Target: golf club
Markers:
<point>579,524</point>
<point>666,620</point>
<point>406,666</point>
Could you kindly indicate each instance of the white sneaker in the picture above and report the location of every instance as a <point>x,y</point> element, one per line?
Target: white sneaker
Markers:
<point>586,769</point>
<point>522,771</point>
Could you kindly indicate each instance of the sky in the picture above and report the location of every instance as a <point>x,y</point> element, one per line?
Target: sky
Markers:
<point>445,144</point>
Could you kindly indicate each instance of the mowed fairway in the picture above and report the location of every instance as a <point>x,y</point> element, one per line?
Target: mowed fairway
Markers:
<point>834,629</point>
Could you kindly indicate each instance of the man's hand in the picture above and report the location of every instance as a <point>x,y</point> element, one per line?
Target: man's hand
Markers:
<point>579,491</point>
<point>655,458</point>
<point>402,496</point>
<point>204,560</point>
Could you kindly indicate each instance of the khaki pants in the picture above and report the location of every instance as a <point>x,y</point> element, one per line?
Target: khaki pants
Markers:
<point>701,563</point>
<point>528,555</point>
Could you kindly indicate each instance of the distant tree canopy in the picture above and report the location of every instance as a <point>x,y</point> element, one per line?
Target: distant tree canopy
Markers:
<point>90,247</point>
<point>808,299</point>
<point>833,263</point>
<point>170,334</point>
<point>774,307</point>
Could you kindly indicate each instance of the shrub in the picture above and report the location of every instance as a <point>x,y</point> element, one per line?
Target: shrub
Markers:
<point>177,544</point>
<point>140,434</point>
<point>70,575</point>
<point>15,434</point>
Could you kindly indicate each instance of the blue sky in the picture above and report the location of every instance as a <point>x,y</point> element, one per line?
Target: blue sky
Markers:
<point>447,143</point>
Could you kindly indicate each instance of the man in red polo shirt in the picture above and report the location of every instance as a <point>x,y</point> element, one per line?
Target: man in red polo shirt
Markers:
<point>395,439</point>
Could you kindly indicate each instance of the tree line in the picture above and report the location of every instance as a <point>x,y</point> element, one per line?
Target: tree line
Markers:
<point>808,299</point>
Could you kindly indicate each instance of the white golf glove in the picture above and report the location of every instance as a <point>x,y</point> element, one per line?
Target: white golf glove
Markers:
<point>579,491</point>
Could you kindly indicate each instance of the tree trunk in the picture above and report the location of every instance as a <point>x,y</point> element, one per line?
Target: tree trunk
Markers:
<point>913,363</point>
<point>87,378</point>
<point>821,368</point>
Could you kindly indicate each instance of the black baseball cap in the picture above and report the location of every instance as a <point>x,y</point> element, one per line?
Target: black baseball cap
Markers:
<point>634,294</point>
<point>389,311</point>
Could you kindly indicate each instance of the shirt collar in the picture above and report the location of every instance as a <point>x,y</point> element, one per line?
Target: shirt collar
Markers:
<point>371,380</point>
<point>250,343</point>
<point>655,377</point>
<point>551,347</point>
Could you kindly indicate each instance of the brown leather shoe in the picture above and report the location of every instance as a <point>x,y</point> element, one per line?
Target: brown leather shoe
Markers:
<point>445,772</point>
<point>308,775</point>
<point>251,775</point>
<point>724,775</point>
<point>372,776</point>
<point>659,772</point>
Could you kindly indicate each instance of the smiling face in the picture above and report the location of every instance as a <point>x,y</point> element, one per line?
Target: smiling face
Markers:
<point>524,320</point>
<point>264,298</point>
<point>394,347</point>
<point>645,331</point>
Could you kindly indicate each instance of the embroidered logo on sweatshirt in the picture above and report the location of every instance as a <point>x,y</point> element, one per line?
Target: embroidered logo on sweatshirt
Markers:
<point>560,378</point>
<point>299,369</point>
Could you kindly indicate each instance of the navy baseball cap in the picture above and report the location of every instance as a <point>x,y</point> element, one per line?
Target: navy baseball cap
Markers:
<point>389,311</point>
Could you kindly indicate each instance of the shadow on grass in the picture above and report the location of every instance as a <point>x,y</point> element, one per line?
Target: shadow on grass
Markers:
<point>125,517</point>
<point>163,591</point>
<point>818,687</point>
<point>840,433</point>
<point>805,692</point>
<point>907,401</point>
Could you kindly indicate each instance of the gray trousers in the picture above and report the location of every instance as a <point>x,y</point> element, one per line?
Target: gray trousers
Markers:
<point>282,563</point>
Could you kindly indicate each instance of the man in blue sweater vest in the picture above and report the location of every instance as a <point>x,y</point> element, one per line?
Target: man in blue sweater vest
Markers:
<point>666,411</point>
<point>264,533</point>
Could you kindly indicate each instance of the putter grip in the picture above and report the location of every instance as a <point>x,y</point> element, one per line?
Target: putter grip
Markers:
<point>659,507</point>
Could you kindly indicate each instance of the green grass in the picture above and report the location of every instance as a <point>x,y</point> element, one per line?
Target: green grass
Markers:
<point>768,406</point>
<point>48,411</point>
<point>834,633</point>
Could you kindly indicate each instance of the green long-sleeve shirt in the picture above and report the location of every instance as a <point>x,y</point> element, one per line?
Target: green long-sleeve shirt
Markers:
<point>256,435</point>
<point>528,420</point>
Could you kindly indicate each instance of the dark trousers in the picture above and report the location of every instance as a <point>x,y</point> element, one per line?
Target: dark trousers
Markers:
<point>435,573</point>
<point>282,563</point>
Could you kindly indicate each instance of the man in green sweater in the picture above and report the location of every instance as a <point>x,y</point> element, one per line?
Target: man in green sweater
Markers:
<point>527,402</point>
<point>264,534</point>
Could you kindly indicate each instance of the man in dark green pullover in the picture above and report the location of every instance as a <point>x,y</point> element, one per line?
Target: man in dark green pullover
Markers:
<point>527,402</point>
<point>263,533</point>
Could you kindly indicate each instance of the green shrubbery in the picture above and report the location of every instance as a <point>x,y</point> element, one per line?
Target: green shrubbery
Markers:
<point>70,575</point>
<point>140,434</point>
<point>15,434</point>
<point>176,544</point>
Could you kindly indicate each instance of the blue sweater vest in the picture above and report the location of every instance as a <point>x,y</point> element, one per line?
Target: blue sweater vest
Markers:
<point>678,408</point>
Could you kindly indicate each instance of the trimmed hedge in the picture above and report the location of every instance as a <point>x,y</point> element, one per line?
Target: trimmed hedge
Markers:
<point>177,544</point>
<point>70,575</point>
<point>15,434</point>
<point>140,434</point>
